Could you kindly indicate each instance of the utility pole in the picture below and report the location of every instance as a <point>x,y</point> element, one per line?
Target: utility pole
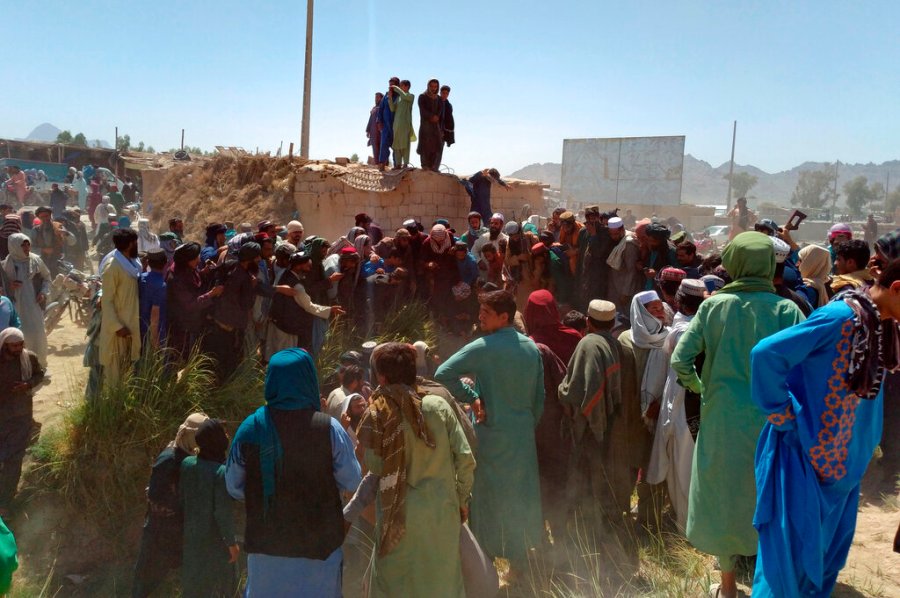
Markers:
<point>834,193</point>
<point>307,82</point>
<point>731,169</point>
<point>116,152</point>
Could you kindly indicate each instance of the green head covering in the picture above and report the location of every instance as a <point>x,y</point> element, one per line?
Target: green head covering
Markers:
<point>750,261</point>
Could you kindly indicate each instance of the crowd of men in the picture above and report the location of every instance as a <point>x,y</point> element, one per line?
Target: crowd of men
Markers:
<point>599,360</point>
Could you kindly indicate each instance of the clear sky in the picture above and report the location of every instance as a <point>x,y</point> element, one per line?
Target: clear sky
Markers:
<point>804,80</point>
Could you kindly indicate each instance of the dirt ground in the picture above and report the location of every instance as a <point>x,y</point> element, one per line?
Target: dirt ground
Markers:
<point>872,569</point>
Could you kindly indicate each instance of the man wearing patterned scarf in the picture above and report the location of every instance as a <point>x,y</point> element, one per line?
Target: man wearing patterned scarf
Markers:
<point>821,385</point>
<point>418,449</point>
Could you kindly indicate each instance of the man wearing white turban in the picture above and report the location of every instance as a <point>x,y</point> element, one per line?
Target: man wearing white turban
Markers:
<point>20,372</point>
<point>26,281</point>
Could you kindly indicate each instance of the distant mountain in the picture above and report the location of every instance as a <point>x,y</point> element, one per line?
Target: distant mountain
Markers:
<point>703,184</point>
<point>44,132</point>
<point>48,133</point>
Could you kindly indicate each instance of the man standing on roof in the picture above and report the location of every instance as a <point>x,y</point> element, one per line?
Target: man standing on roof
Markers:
<point>384,122</point>
<point>430,135</point>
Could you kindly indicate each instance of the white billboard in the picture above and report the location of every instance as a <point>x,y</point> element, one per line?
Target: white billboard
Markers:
<point>622,170</point>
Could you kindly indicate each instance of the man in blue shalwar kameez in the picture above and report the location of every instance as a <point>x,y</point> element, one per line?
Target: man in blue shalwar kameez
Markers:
<point>384,121</point>
<point>820,383</point>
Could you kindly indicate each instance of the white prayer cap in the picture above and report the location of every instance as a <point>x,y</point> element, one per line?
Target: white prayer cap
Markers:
<point>691,286</point>
<point>646,297</point>
<point>782,250</point>
<point>602,311</point>
<point>499,216</point>
<point>615,222</point>
<point>294,226</point>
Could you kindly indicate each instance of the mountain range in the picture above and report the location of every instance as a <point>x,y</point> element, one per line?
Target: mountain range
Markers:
<point>47,133</point>
<point>703,184</point>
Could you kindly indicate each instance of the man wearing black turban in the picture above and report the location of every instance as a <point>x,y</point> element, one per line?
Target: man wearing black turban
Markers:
<point>186,301</point>
<point>662,253</point>
<point>215,238</point>
<point>224,340</point>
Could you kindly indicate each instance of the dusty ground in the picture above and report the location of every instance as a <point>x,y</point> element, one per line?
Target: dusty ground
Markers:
<point>872,569</point>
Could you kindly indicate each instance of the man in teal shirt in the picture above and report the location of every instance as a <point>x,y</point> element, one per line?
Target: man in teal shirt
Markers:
<point>509,388</point>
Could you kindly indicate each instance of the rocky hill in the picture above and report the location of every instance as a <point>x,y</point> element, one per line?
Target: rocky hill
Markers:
<point>704,184</point>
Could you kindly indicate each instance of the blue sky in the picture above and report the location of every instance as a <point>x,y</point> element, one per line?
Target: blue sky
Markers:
<point>805,80</point>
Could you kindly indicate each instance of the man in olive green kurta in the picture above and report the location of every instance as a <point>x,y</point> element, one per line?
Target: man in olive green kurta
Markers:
<point>404,134</point>
<point>509,381</point>
<point>439,481</point>
<point>592,389</point>
<point>727,326</point>
<point>120,334</point>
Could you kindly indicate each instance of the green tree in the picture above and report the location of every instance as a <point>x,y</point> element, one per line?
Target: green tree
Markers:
<point>741,183</point>
<point>64,137</point>
<point>124,143</point>
<point>858,195</point>
<point>354,158</point>
<point>814,188</point>
<point>80,139</point>
<point>893,201</point>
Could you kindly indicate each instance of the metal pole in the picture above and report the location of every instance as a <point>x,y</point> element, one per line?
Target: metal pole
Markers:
<point>731,168</point>
<point>182,139</point>
<point>116,151</point>
<point>307,82</point>
<point>834,193</point>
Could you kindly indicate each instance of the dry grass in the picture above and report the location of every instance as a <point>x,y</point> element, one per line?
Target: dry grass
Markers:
<point>250,188</point>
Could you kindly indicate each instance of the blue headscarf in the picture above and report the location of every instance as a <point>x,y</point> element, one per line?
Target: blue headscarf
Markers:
<point>291,384</point>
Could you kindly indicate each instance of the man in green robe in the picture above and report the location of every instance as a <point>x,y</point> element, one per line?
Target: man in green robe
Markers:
<point>727,326</point>
<point>403,128</point>
<point>592,393</point>
<point>423,494</point>
<point>509,383</point>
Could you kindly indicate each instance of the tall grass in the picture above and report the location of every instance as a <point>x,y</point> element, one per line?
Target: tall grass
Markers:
<point>99,460</point>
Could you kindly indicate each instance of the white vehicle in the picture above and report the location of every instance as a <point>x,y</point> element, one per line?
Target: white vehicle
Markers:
<point>718,233</point>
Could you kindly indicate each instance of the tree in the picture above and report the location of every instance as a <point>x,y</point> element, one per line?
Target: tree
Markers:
<point>124,143</point>
<point>741,183</point>
<point>64,137</point>
<point>354,158</point>
<point>893,201</point>
<point>80,139</point>
<point>858,195</point>
<point>814,188</point>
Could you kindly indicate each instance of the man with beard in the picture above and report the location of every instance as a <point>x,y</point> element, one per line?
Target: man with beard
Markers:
<point>430,135</point>
<point>626,278</point>
<point>293,316</point>
<point>77,253</point>
<point>493,237</point>
<point>447,123</point>
<point>595,246</point>
<point>49,241</point>
<point>120,338</point>
<point>176,227</point>
<point>295,233</point>
<point>20,372</point>
<point>224,340</point>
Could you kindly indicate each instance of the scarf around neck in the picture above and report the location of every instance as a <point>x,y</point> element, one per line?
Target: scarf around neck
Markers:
<point>381,431</point>
<point>617,255</point>
<point>131,266</point>
<point>875,345</point>
<point>649,333</point>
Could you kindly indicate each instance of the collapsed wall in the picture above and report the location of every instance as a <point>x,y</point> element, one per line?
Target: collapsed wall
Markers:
<point>325,196</point>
